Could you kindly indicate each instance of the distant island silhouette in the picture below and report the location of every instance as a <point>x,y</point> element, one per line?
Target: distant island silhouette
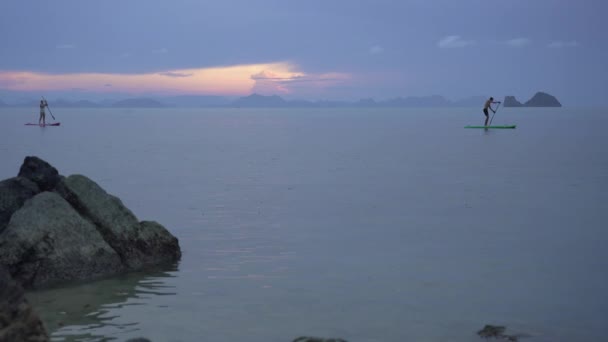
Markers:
<point>255,100</point>
<point>539,99</point>
<point>138,103</point>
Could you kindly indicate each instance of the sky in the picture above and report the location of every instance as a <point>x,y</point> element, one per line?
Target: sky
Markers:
<point>313,49</point>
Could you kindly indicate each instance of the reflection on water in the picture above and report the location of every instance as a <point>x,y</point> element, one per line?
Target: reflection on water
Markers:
<point>99,310</point>
<point>365,224</point>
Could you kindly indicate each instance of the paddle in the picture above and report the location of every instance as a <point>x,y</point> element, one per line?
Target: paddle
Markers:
<point>490,119</point>
<point>47,106</point>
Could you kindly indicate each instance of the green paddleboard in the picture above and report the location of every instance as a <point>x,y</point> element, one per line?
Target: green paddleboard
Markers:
<point>493,127</point>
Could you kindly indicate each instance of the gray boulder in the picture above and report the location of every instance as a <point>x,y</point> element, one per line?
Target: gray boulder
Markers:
<point>55,229</point>
<point>18,321</point>
<point>159,246</point>
<point>138,244</point>
<point>39,172</point>
<point>13,193</point>
<point>496,332</point>
<point>47,242</point>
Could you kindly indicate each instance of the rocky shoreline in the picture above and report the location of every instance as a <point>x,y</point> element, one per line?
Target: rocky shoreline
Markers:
<point>18,321</point>
<point>55,230</point>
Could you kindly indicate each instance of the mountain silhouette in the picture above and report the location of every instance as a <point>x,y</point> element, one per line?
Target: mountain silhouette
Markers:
<point>540,99</point>
<point>511,101</point>
<point>197,101</point>
<point>138,103</point>
<point>255,100</point>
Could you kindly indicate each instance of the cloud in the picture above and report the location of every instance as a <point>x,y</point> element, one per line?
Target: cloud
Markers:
<point>518,42</point>
<point>267,79</point>
<point>277,77</point>
<point>454,42</point>
<point>269,82</point>
<point>126,55</point>
<point>161,50</point>
<point>175,74</point>
<point>65,46</point>
<point>374,50</point>
<point>558,44</point>
<point>270,75</point>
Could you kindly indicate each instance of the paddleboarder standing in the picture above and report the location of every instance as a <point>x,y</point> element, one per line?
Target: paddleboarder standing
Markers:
<point>487,105</point>
<point>42,114</point>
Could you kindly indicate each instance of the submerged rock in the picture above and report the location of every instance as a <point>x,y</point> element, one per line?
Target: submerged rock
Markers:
<point>497,332</point>
<point>18,321</point>
<point>491,331</point>
<point>72,230</point>
<point>137,244</point>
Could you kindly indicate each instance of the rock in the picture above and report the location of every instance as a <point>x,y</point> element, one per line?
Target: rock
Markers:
<point>39,172</point>
<point>138,245</point>
<point>55,229</point>
<point>510,101</point>
<point>497,332</point>
<point>541,99</point>
<point>13,193</point>
<point>140,339</point>
<point>47,242</point>
<point>491,331</point>
<point>18,321</point>
<point>159,245</point>
<point>317,339</point>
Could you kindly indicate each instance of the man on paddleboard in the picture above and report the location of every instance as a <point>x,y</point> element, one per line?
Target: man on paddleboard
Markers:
<point>487,105</point>
<point>42,114</point>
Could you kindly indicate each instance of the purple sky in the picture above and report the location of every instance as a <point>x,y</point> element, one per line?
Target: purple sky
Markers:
<point>306,49</point>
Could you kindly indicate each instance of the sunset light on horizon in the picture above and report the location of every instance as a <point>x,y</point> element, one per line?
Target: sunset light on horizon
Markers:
<point>269,78</point>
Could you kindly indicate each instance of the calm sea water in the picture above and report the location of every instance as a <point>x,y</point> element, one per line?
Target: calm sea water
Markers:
<point>366,224</point>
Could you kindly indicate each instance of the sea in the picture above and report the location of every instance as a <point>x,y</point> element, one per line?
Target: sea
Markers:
<point>366,224</point>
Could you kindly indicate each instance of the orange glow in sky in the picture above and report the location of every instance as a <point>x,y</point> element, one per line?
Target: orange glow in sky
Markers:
<point>228,80</point>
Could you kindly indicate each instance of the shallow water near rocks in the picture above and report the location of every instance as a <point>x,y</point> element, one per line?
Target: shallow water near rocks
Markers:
<point>364,224</point>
